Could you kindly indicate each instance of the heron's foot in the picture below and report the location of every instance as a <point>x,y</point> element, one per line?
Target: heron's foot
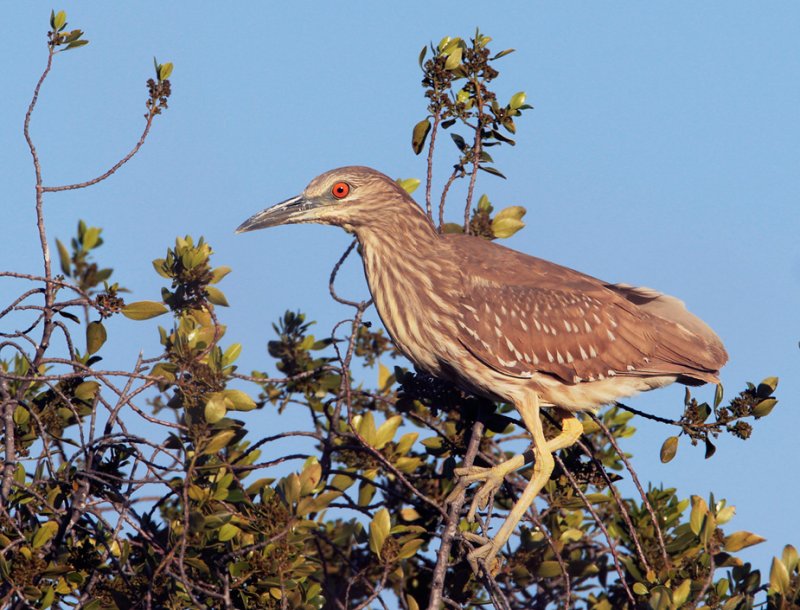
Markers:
<point>484,557</point>
<point>492,480</point>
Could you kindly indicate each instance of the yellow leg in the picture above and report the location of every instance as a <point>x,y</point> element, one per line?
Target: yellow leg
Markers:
<point>571,430</point>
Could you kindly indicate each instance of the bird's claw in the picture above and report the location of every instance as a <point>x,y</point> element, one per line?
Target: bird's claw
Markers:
<point>485,557</point>
<point>492,479</point>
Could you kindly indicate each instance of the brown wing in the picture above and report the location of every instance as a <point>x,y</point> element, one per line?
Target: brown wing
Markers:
<point>575,336</point>
<point>520,314</point>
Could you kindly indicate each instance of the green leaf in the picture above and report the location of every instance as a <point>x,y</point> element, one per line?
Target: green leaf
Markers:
<point>216,296</point>
<point>492,171</point>
<point>95,337</point>
<point>741,540</point>
<point>681,593</point>
<point>669,449</point>
<point>219,273</point>
<point>517,100</point>
<point>422,55</point>
<point>227,531</point>
<point>58,21</point>
<point>379,531</point>
<point>241,401</point>
<point>409,185</point>
<point>341,482</point>
<point>64,258</point>
<point>219,441</point>
<point>502,54</point>
<point>409,549</point>
<point>231,354</point>
<point>215,408</point>
<point>366,428</point>
<point>779,577</point>
<point>384,376</point>
<point>143,310</point>
<point>698,514</point>
<point>639,588</point>
<point>90,238</point>
<point>419,135</point>
<point>76,44</point>
<point>764,408</point>
<point>718,393</point>
<point>506,227</point>
<point>454,59</point>
<point>45,532</point>
<point>515,211</point>
<point>549,569</point>
<point>87,390</point>
<point>767,387</point>
<point>387,431</point>
<point>164,71</point>
<point>459,140</point>
<point>21,415</point>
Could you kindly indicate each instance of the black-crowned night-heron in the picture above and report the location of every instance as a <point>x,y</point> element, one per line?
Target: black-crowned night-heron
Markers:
<point>503,324</point>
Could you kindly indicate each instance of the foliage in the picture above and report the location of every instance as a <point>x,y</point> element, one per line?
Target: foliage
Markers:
<point>145,488</point>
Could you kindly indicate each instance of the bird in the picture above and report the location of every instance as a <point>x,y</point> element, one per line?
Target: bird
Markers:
<point>504,325</point>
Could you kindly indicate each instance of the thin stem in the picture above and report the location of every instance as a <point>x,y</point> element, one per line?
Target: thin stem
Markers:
<point>600,524</point>
<point>645,499</point>
<point>80,185</point>
<point>437,117</point>
<point>476,155</point>
<point>442,201</point>
<point>451,523</point>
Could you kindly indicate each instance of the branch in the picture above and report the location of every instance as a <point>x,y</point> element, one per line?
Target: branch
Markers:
<point>437,117</point>
<point>451,523</point>
<point>80,185</point>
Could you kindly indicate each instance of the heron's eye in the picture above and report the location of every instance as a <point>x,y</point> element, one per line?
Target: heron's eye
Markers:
<point>340,190</point>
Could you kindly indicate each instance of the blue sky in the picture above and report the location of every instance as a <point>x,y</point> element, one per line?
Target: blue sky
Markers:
<point>663,150</point>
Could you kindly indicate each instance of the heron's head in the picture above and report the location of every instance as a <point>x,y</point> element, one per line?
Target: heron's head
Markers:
<point>348,197</point>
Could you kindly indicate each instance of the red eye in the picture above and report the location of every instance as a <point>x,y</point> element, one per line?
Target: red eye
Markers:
<point>340,190</point>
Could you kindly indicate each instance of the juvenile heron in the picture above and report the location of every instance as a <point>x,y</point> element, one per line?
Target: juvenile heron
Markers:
<point>502,324</point>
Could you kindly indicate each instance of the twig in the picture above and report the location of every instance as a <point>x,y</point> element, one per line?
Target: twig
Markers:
<point>451,523</point>
<point>80,185</point>
<point>476,155</point>
<point>645,499</point>
<point>601,525</point>
<point>442,201</point>
<point>437,117</point>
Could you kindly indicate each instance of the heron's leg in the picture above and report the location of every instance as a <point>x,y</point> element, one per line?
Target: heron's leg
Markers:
<point>571,429</point>
<point>494,476</point>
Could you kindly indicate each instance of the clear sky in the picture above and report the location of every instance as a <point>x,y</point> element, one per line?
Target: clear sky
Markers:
<point>664,150</point>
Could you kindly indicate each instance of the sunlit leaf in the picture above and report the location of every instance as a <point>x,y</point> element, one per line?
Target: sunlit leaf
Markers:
<point>45,532</point>
<point>409,185</point>
<point>216,296</point>
<point>379,531</point>
<point>143,310</point>
<point>669,449</point>
<point>95,336</point>
<point>419,135</point>
<point>64,258</point>
<point>741,540</point>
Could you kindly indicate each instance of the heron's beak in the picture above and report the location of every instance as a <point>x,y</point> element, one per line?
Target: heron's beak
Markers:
<point>295,210</point>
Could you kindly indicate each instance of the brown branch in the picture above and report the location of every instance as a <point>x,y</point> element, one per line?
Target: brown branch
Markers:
<point>635,478</point>
<point>476,156</point>
<point>79,185</point>
<point>442,201</point>
<point>451,523</point>
<point>335,272</point>
<point>10,458</point>
<point>601,525</point>
<point>437,117</point>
